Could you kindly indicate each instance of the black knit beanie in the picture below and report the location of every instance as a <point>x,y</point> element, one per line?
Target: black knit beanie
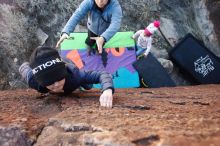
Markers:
<point>47,66</point>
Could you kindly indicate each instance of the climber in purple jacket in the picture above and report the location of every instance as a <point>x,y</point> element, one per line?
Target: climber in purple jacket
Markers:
<point>48,72</point>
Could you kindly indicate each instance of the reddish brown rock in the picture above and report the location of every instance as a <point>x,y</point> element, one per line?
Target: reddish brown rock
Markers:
<point>187,116</point>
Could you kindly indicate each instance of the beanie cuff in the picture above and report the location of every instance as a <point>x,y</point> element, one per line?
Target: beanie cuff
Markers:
<point>147,32</point>
<point>51,75</point>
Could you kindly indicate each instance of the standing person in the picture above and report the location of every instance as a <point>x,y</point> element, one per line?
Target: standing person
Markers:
<point>104,20</point>
<point>144,38</point>
<point>47,72</point>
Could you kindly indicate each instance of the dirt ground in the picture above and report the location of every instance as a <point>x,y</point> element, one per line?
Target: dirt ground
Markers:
<point>188,115</point>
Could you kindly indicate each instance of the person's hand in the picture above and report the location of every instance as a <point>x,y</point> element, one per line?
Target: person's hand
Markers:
<point>64,36</point>
<point>132,37</point>
<point>145,56</point>
<point>99,41</point>
<point>106,98</point>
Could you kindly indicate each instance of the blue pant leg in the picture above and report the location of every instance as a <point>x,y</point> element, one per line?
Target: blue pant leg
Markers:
<point>139,51</point>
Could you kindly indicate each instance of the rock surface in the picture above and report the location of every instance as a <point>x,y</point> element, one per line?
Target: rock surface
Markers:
<point>27,24</point>
<point>186,116</point>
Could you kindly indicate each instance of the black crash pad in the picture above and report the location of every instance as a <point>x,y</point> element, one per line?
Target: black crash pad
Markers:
<point>196,60</point>
<point>152,72</point>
